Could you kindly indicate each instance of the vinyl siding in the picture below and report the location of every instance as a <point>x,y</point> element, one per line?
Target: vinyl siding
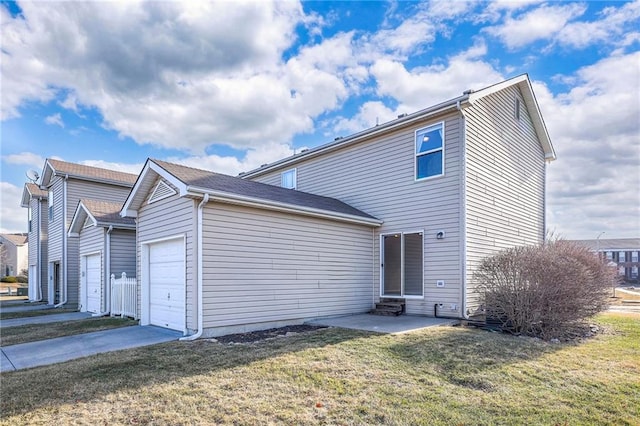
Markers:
<point>123,252</point>
<point>378,177</point>
<point>76,190</point>
<point>504,180</point>
<point>92,240</point>
<point>172,216</point>
<point>263,267</point>
<point>38,242</point>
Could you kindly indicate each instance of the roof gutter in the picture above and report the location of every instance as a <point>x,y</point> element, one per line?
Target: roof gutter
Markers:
<point>340,143</point>
<point>225,197</point>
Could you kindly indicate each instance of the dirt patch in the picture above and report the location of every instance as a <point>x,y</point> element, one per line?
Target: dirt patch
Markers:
<point>272,333</point>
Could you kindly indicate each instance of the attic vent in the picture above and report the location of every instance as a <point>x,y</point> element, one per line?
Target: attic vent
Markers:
<point>87,223</point>
<point>161,192</point>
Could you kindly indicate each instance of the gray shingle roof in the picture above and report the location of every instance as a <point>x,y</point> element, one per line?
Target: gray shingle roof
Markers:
<point>107,212</point>
<point>17,239</point>
<point>89,172</point>
<point>233,185</point>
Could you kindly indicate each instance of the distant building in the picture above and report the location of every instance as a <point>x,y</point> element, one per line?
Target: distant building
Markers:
<point>623,251</point>
<point>15,254</point>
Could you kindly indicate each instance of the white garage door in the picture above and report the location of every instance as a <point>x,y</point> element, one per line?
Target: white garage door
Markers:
<point>94,292</point>
<point>167,284</point>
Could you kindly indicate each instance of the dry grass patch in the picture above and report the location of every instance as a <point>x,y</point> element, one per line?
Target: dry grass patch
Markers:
<point>334,376</point>
<point>34,332</point>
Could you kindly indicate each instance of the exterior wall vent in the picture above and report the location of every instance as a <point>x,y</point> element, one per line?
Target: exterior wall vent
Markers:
<point>161,191</point>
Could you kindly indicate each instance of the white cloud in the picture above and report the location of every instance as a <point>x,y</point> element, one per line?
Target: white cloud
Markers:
<point>30,159</point>
<point>612,28</point>
<point>424,86</point>
<point>595,183</point>
<point>54,119</point>
<point>368,115</point>
<point>541,23</point>
<point>13,218</point>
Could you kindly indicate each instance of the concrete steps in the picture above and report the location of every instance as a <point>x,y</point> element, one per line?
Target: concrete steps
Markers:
<point>389,307</point>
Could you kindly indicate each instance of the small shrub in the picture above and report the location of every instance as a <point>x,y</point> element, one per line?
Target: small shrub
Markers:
<point>22,279</point>
<point>9,279</point>
<point>544,291</point>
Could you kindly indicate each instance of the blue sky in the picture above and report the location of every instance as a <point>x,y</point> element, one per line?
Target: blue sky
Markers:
<point>229,86</point>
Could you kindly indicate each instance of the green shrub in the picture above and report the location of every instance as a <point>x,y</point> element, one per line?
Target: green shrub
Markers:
<point>9,279</point>
<point>545,291</point>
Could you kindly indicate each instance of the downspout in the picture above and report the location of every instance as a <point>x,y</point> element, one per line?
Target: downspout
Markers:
<point>200,256</point>
<point>107,275</point>
<point>65,259</point>
<point>463,219</point>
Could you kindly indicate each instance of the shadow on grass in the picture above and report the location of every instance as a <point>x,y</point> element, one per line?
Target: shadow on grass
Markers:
<point>92,377</point>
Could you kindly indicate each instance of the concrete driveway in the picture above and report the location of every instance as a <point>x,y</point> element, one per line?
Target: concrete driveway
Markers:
<point>61,349</point>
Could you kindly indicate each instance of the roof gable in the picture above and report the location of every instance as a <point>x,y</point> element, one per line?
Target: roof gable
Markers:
<point>229,189</point>
<point>16,239</point>
<point>78,171</point>
<point>99,213</point>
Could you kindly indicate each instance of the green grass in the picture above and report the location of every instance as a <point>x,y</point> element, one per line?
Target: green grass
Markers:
<point>34,332</point>
<point>29,314</point>
<point>439,376</point>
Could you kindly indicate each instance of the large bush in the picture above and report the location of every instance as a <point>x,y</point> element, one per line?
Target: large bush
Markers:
<point>544,291</point>
<point>9,279</point>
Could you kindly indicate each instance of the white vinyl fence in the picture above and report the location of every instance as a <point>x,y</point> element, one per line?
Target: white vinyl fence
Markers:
<point>124,296</point>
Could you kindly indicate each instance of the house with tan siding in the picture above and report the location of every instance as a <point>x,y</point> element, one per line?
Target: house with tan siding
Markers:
<point>452,184</point>
<point>106,246</point>
<point>65,184</point>
<point>403,211</point>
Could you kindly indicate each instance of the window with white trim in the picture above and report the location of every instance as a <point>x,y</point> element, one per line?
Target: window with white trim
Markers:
<point>430,152</point>
<point>288,179</point>
<point>30,216</point>
<point>50,204</point>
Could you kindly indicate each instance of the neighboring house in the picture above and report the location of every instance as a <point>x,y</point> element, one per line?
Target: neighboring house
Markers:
<point>218,254</point>
<point>453,184</point>
<point>405,210</point>
<point>34,200</point>
<point>106,245</point>
<point>14,258</point>
<point>623,251</point>
<point>66,183</point>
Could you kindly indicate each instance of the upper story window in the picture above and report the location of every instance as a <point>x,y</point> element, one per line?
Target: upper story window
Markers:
<point>30,216</point>
<point>634,256</point>
<point>621,256</point>
<point>288,179</point>
<point>50,203</point>
<point>430,151</point>
<point>516,109</point>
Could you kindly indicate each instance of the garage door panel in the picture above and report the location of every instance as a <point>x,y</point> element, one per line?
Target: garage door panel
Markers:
<point>94,290</point>
<point>167,284</point>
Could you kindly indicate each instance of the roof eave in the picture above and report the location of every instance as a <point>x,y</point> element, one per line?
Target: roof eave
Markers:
<point>230,198</point>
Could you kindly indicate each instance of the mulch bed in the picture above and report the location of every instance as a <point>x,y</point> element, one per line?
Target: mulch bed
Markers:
<point>256,336</point>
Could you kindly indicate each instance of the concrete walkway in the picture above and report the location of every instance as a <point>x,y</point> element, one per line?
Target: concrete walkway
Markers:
<point>61,349</point>
<point>44,319</point>
<point>384,324</point>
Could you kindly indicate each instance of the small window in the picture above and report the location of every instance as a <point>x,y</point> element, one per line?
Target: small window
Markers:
<point>30,217</point>
<point>634,256</point>
<point>516,110</point>
<point>288,179</point>
<point>430,152</point>
<point>50,203</point>
<point>621,257</point>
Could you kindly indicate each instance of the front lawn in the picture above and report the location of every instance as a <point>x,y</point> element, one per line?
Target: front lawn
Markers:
<point>34,332</point>
<point>443,375</point>
<point>35,313</point>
